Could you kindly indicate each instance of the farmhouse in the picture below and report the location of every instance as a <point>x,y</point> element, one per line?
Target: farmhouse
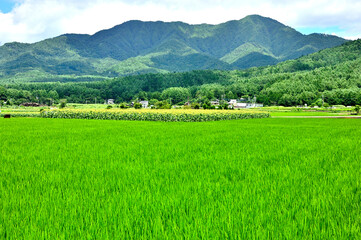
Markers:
<point>110,101</point>
<point>232,102</point>
<point>145,104</point>
<point>247,105</point>
<point>215,102</point>
<point>240,105</point>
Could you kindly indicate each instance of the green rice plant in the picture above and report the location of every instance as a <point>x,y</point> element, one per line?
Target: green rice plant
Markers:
<point>249,179</point>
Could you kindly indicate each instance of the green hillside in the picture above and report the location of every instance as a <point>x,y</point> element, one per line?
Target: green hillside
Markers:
<point>332,74</point>
<point>137,47</point>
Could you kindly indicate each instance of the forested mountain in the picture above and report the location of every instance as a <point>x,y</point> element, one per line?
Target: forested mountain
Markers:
<point>137,47</point>
<point>332,74</point>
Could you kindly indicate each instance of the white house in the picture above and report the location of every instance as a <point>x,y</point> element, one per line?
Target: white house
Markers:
<point>215,103</point>
<point>145,104</point>
<point>240,105</point>
<point>110,101</point>
<point>232,102</point>
<point>247,105</point>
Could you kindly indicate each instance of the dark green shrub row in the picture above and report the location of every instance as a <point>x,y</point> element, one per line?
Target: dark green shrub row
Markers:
<point>150,116</point>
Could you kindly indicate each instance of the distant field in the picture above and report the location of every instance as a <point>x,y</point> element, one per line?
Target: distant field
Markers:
<point>274,114</point>
<point>273,111</point>
<point>247,179</point>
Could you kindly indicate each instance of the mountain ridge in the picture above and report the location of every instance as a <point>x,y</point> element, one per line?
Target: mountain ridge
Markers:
<point>161,47</point>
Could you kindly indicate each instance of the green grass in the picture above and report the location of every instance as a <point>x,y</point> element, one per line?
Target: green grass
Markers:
<point>247,179</point>
<point>87,106</point>
<point>21,111</point>
<point>279,114</point>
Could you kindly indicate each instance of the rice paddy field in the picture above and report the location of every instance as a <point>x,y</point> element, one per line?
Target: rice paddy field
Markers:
<point>307,114</point>
<point>240,179</point>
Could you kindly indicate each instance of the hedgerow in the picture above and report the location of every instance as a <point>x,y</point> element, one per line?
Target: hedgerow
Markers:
<point>155,115</point>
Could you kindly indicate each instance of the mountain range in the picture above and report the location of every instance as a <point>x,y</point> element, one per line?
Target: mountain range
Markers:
<point>331,76</point>
<point>137,47</point>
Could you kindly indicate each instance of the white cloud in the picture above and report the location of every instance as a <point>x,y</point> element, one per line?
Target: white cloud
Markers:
<point>34,20</point>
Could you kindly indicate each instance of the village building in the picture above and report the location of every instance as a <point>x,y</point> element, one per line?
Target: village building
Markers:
<point>246,105</point>
<point>240,105</point>
<point>232,102</point>
<point>145,104</point>
<point>215,102</point>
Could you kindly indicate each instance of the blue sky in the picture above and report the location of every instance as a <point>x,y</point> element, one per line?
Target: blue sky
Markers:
<point>6,6</point>
<point>34,20</point>
<point>331,30</point>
